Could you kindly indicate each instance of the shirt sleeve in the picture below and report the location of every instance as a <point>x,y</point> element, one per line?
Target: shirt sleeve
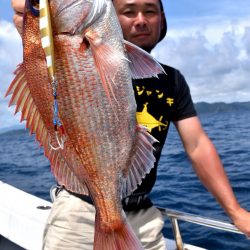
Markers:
<point>184,106</point>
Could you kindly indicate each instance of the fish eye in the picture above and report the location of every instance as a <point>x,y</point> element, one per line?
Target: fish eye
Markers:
<point>33,6</point>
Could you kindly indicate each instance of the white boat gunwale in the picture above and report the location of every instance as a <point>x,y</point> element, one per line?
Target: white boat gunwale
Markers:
<point>23,217</point>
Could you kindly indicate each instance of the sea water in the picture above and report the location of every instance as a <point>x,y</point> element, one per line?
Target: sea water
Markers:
<point>23,165</point>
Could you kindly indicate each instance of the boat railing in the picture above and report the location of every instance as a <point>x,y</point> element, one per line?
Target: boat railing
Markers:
<point>174,216</point>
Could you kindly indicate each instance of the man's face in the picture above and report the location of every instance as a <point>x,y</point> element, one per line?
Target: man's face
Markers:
<point>141,21</point>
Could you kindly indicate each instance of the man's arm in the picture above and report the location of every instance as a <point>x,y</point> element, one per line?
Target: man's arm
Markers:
<point>207,164</point>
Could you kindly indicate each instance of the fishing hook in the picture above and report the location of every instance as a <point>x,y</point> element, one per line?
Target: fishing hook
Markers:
<point>59,141</point>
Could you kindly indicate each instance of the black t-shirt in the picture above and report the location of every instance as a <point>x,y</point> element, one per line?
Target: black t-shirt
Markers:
<point>160,101</point>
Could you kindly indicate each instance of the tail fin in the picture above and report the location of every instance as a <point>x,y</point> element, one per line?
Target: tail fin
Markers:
<point>121,238</point>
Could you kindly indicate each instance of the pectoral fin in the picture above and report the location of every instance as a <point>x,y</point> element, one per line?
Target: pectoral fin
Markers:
<point>142,64</point>
<point>107,60</point>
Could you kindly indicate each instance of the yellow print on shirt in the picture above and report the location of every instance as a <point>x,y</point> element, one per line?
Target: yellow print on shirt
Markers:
<point>147,120</point>
<point>160,94</point>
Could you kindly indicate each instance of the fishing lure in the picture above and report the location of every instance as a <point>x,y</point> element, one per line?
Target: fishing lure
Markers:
<point>48,46</point>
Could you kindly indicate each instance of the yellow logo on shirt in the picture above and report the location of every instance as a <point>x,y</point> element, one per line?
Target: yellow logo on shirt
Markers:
<point>147,120</point>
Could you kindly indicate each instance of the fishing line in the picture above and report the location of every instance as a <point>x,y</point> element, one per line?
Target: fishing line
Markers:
<point>48,46</point>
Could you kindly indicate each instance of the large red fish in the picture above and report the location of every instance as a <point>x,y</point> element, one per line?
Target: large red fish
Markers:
<point>101,150</point>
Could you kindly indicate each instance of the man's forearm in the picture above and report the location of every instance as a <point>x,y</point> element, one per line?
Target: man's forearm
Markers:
<point>208,167</point>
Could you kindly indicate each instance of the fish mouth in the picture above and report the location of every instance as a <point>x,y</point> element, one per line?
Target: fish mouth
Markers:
<point>69,15</point>
<point>73,16</point>
<point>69,5</point>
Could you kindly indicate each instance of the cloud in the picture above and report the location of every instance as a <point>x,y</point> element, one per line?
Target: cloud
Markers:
<point>211,50</point>
<point>10,56</point>
<point>214,59</point>
<point>246,40</point>
<point>193,9</point>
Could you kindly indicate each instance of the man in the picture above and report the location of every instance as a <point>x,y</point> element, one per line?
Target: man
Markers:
<point>159,100</point>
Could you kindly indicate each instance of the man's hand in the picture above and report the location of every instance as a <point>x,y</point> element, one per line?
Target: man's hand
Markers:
<point>241,219</point>
<point>18,7</point>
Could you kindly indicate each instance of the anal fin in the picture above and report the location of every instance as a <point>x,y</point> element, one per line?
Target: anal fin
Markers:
<point>142,162</point>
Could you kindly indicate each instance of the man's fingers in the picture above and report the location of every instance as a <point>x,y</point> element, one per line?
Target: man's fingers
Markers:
<point>18,22</point>
<point>18,6</point>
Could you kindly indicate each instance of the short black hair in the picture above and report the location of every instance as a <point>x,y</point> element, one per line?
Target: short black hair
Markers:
<point>164,28</point>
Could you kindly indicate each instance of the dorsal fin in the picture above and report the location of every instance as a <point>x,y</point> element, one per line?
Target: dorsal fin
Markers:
<point>22,98</point>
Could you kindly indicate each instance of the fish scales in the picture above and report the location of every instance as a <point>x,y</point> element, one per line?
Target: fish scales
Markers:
<point>91,135</point>
<point>105,146</point>
<point>34,58</point>
<point>105,152</point>
<point>38,83</point>
<point>87,105</point>
<point>95,135</point>
<point>86,88</point>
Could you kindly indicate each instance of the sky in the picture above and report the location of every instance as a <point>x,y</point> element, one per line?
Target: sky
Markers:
<point>208,41</point>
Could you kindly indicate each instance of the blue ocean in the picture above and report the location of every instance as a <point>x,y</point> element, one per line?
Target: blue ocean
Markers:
<point>23,165</point>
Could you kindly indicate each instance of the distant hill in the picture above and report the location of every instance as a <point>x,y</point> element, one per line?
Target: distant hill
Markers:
<point>204,107</point>
<point>12,128</point>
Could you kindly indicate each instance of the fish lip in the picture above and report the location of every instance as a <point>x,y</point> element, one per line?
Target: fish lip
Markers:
<point>67,6</point>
